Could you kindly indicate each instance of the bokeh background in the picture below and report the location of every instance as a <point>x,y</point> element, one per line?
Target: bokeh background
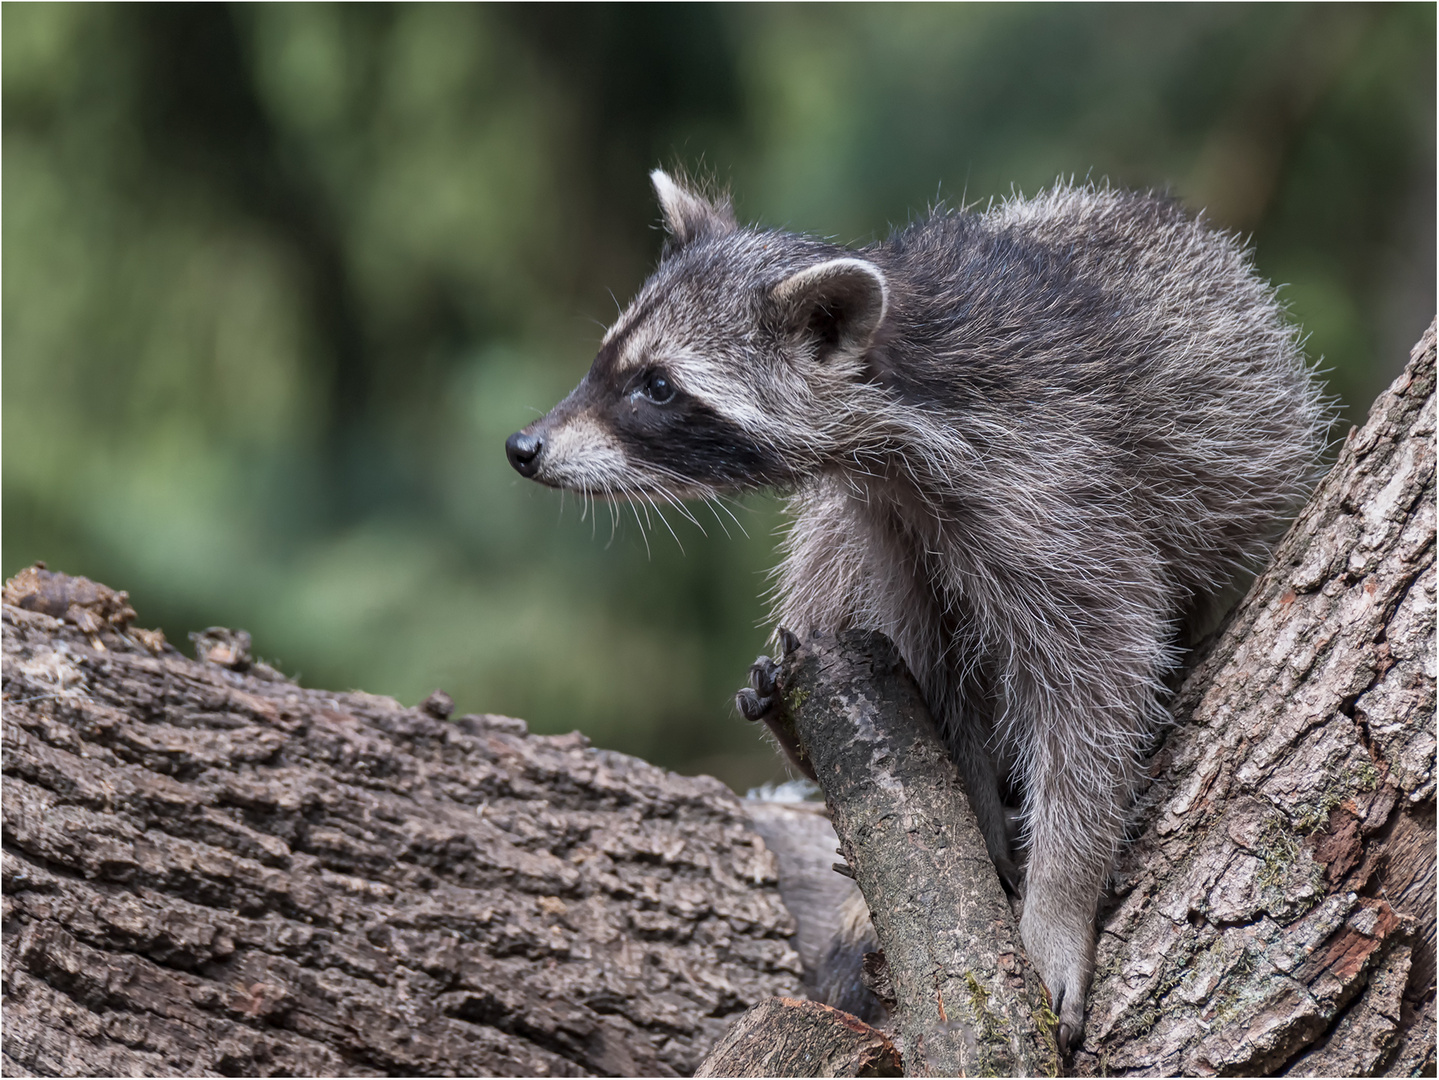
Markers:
<point>279,279</point>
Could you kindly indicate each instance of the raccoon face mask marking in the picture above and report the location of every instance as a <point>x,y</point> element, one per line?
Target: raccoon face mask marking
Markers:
<point>705,384</point>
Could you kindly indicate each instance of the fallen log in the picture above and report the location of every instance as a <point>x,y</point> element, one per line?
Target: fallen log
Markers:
<point>210,870</point>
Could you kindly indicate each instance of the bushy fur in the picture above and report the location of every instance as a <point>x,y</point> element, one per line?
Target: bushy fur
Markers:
<point>1025,443</point>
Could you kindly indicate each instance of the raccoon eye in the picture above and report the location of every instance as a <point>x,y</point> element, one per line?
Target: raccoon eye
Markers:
<point>657,387</point>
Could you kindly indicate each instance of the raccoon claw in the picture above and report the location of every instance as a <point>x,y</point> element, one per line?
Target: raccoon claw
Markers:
<point>757,700</point>
<point>751,706</point>
<point>764,676</point>
<point>788,642</point>
<point>1070,1028</point>
<point>761,700</point>
<point>1009,876</point>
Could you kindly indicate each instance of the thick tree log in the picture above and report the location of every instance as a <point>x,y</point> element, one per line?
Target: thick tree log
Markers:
<point>1276,913</point>
<point>216,872</point>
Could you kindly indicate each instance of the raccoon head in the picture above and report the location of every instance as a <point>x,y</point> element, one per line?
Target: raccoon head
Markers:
<point>729,370</point>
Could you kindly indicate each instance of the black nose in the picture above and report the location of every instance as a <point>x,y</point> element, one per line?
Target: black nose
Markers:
<point>524,452</point>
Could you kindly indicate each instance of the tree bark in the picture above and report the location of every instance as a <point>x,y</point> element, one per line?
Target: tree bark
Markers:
<point>209,871</point>
<point>785,1037</point>
<point>1276,911</point>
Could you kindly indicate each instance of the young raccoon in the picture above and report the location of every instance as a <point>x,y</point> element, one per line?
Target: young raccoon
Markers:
<point>1026,444</point>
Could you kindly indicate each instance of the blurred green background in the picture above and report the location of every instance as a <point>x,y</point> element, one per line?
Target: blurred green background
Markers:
<point>279,279</point>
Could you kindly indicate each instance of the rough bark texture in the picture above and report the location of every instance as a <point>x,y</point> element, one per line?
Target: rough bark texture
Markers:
<point>785,1037</point>
<point>967,1002</point>
<point>209,872</point>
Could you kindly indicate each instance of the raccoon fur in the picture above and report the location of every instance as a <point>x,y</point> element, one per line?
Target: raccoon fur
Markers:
<point>1027,444</point>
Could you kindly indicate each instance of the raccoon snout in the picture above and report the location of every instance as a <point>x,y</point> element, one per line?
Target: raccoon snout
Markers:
<point>523,450</point>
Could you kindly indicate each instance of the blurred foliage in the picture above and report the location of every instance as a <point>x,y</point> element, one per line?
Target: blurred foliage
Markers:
<point>279,279</point>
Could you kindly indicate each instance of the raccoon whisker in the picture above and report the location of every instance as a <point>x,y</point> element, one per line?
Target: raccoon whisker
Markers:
<point>667,474</point>
<point>644,535</point>
<point>637,501</point>
<point>709,501</point>
<point>666,520</point>
<point>718,501</point>
<point>684,510</point>
<point>673,502</point>
<point>616,516</point>
<point>585,509</point>
<point>629,494</point>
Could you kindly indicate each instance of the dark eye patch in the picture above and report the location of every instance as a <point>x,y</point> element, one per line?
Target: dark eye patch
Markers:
<point>689,439</point>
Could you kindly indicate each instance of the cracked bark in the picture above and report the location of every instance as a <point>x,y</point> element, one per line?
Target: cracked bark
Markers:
<point>214,872</point>
<point>1276,911</point>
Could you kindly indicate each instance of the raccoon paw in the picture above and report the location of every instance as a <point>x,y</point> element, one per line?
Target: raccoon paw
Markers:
<point>1070,1031</point>
<point>758,700</point>
<point>751,706</point>
<point>1065,963</point>
<point>1011,878</point>
<point>763,700</point>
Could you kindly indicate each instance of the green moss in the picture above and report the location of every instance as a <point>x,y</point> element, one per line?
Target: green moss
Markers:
<point>1357,779</point>
<point>1277,850</point>
<point>1365,775</point>
<point>1138,1023</point>
<point>1173,978</point>
<point>1228,1007</point>
<point>1047,1025</point>
<point>988,1027</point>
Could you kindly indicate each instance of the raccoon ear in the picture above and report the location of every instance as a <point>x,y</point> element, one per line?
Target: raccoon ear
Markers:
<point>688,214</point>
<point>838,304</point>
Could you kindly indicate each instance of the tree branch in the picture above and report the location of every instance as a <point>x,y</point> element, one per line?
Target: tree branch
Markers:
<point>967,1003</point>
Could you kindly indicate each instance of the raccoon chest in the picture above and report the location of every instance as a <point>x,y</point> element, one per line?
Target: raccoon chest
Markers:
<point>915,595</point>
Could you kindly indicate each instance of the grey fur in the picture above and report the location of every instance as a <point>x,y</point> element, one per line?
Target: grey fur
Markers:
<point>1027,444</point>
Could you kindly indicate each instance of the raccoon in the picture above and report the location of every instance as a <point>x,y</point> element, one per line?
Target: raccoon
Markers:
<point>1028,444</point>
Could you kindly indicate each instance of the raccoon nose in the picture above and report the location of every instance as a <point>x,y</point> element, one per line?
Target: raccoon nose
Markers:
<point>524,452</point>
